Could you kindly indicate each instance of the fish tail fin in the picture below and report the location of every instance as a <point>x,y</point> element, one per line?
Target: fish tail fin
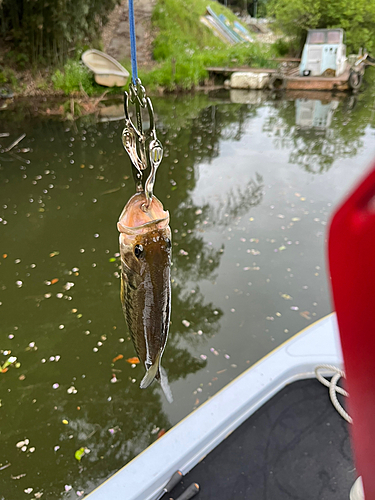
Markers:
<point>165,384</point>
<point>151,373</point>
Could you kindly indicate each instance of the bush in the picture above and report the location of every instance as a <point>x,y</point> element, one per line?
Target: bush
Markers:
<point>74,78</point>
<point>284,47</point>
<point>7,76</point>
<point>356,17</point>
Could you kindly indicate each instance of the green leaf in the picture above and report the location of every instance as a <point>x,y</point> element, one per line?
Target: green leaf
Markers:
<point>8,362</point>
<point>79,454</point>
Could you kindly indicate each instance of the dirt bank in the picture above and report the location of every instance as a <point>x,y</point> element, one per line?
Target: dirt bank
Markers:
<point>116,36</point>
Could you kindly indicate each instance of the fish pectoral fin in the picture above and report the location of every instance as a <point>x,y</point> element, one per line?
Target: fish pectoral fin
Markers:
<point>151,373</point>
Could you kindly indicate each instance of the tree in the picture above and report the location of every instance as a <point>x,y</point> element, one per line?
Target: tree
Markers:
<point>356,17</point>
<point>45,31</point>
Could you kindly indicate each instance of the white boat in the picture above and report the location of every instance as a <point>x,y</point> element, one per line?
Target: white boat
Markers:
<point>106,69</point>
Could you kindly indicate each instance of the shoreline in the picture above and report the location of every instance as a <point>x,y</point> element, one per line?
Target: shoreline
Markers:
<point>71,107</point>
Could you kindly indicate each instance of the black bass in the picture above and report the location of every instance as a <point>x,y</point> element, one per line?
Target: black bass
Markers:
<point>145,250</point>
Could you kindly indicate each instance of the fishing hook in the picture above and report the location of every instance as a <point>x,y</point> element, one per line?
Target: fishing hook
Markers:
<point>134,139</point>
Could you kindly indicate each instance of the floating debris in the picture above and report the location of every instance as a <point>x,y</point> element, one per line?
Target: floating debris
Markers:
<point>133,361</point>
<point>21,444</point>
<point>10,361</point>
<point>285,296</point>
<point>79,454</point>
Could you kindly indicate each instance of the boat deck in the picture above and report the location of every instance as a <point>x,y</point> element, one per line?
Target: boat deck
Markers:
<point>296,447</point>
<point>296,82</point>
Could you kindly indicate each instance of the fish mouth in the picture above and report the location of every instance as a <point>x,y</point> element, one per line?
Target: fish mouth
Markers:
<point>144,228</point>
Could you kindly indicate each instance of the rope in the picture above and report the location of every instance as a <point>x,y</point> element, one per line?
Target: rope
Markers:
<point>334,388</point>
<point>133,48</point>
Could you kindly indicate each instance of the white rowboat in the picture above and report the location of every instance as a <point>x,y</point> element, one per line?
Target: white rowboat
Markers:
<point>106,69</point>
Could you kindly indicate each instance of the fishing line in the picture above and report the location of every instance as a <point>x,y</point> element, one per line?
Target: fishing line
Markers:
<point>133,47</point>
<point>144,149</point>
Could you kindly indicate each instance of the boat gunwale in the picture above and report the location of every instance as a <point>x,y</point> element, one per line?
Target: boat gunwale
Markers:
<point>189,441</point>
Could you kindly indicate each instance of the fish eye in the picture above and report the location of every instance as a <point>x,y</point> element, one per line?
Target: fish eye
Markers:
<point>138,250</point>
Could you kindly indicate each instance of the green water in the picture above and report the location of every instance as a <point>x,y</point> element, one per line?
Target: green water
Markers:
<point>250,188</point>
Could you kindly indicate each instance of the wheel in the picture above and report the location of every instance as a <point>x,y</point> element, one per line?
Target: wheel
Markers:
<point>277,82</point>
<point>355,80</point>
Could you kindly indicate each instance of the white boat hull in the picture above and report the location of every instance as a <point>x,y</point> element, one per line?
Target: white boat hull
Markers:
<point>107,71</point>
<point>187,443</point>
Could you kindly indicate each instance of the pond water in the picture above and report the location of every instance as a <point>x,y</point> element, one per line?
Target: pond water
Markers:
<point>250,186</point>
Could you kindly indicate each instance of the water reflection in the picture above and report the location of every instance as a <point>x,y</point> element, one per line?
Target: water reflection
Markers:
<point>319,131</point>
<point>70,203</point>
<point>314,114</point>
<point>59,274</point>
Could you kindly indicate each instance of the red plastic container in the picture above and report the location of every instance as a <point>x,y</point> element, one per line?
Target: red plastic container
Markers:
<point>351,249</point>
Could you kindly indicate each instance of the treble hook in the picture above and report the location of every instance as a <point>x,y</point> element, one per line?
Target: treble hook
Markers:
<point>155,151</point>
<point>134,139</point>
<point>132,135</point>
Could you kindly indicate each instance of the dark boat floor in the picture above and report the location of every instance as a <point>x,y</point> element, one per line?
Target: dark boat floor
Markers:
<point>294,447</point>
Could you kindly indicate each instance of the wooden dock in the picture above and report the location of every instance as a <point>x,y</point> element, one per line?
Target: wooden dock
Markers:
<point>227,71</point>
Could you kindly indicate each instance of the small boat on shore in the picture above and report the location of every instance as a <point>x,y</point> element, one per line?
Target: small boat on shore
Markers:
<point>107,71</point>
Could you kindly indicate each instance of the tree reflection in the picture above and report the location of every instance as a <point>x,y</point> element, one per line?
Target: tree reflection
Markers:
<point>330,129</point>
<point>237,202</point>
<point>73,221</point>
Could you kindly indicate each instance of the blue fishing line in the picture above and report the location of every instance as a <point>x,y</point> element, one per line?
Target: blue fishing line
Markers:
<point>133,48</point>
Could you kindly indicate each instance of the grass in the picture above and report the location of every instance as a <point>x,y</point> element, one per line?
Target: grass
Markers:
<point>184,47</point>
<point>74,77</point>
<point>8,77</point>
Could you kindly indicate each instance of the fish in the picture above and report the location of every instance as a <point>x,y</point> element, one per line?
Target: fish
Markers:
<point>145,252</point>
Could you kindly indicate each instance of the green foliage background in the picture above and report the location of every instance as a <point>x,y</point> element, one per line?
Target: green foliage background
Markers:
<point>184,47</point>
<point>356,17</point>
<point>43,31</point>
